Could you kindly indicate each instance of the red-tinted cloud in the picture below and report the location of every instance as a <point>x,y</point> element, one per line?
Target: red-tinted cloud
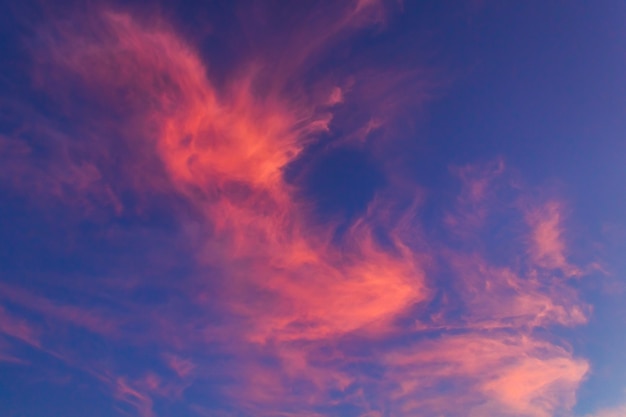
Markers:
<point>488,374</point>
<point>548,247</point>
<point>306,315</point>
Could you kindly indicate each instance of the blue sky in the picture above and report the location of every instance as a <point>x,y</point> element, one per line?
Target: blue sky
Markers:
<point>356,208</point>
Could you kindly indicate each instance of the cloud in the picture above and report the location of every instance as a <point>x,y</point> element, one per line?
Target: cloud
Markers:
<point>181,366</point>
<point>18,328</point>
<point>490,374</point>
<point>282,314</point>
<point>131,395</point>
<point>548,246</point>
<point>618,411</point>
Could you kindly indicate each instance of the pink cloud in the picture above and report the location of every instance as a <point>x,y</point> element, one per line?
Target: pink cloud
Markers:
<point>126,393</point>
<point>77,316</point>
<point>18,328</point>
<point>181,366</point>
<point>548,246</point>
<point>497,374</point>
<point>479,185</point>
<point>295,303</point>
<point>501,297</point>
<point>618,411</point>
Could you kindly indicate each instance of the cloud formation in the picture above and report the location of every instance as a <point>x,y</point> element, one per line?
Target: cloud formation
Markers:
<point>276,312</point>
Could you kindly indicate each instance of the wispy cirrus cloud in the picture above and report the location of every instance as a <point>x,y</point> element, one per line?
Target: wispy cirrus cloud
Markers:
<point>278,313</point>
<point>487,373</point>
<point>610,412</point>
<point>548,247</point>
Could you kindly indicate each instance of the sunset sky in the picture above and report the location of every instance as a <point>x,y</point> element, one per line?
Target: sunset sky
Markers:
<point>346,208</point>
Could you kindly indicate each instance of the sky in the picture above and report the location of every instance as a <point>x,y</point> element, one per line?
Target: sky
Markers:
<point>350,208</point>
